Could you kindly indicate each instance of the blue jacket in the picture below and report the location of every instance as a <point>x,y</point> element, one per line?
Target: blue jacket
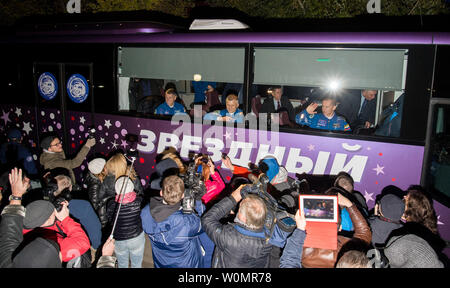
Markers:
<point>174,235</point>
<point>83,211</point>
<point>200,87</point>
<point>237,116</point>
<point>320,121</point>
<point>164,109</point>
<point>292,253</point>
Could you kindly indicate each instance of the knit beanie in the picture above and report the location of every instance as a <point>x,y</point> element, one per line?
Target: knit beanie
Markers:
<point>270,167</point>
<point>392,207</point>
<point>45,143</point>
<point>161,168</point>
<point>96,165</point>
<point>37,212</point>
<point>14,134</point>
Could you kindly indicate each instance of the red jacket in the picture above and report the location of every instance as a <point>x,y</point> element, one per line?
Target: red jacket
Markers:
<point>75,244</point>
<point>213,187</point>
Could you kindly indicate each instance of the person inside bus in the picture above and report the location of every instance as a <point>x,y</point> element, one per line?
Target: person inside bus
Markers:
<point>200,89</point>
<point>170,106</point>
<point>359,108</point>
<point>277,102</point>
<point>231,114</point>
<point>327,120</point>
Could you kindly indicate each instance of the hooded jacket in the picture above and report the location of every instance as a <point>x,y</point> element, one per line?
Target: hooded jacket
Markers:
<point>52,160</point>
<point>174,235</point>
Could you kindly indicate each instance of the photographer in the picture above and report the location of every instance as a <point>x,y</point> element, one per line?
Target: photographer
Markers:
<point>326,258</point>
<point>241,244</point>
<point>174,235</point>
<point>57,191</point>
<point>53,155</point>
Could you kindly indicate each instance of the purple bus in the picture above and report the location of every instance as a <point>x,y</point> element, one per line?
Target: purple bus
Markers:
<point>112,76</point>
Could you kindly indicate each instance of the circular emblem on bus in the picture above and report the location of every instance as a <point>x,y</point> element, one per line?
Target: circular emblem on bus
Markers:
<point>77,88</point>
<point>47,86</point>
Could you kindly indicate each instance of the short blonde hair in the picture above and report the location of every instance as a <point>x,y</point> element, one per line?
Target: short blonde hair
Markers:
<point>232,97</point>
<point>353,259</point>
<point>172,189</point>
<point>254,210</point>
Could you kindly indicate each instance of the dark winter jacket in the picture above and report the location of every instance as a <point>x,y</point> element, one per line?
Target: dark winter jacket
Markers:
<point>173,234</point>
<point>10,233</point>
<point>236,247</point>
<point>107,194</point>
<point>129,223</point>
<point>96,193</point>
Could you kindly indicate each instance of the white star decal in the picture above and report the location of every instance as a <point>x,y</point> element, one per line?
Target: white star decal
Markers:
<point>379,169</point>
<point>102,140</point>
<point>108,123</point>
<point>227,135</point>
<point>114,144</point>
<point>26,127</point>
<point>82,120</point>
<point>311,147</point>
<point>18,111</point>
<point>368,196</point>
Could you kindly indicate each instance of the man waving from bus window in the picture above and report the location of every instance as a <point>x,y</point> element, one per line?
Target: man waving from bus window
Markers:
<point>327,120</point>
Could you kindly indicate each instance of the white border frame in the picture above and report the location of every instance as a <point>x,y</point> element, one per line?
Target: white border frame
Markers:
<point>327,197</point>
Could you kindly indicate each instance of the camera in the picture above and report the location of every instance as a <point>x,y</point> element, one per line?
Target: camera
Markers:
<point>57,200</point>
<point>194,189</point>
<point>276,214</point>
<point>91,132</point>
<point>132,152</point>
<point>289,199</point>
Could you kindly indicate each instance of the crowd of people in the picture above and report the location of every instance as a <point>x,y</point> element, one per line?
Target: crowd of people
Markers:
<point>193,219</point>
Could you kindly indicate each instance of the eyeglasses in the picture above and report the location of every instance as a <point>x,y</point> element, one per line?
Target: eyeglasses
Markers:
<point>56,144</point>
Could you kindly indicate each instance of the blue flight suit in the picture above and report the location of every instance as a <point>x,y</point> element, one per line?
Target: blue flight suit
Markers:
<point>320,121</point>
<point>164,109</point>
<point>237,116</point>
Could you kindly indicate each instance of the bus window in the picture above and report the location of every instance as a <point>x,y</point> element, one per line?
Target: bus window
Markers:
<point>367,85</point>
<point>203,76</point>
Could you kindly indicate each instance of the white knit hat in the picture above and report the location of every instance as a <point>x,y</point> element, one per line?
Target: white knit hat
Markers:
<point>127,186</point>
<point>96,165</point>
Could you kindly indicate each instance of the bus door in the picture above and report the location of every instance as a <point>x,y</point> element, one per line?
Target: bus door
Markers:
<point>435,175</point>
<point>65,101</point>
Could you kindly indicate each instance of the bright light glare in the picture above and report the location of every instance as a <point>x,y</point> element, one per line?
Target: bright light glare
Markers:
<point>334,85</point>
<point>197,77</point>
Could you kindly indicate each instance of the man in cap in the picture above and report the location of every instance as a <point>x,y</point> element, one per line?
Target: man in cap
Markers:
<point>44,220</point>
<point>14,154</point>
<point>39,252</point>
<point>53,155</point>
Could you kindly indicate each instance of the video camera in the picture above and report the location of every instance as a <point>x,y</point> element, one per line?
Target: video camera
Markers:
<point>276,214</point>
<point>194,188</point>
